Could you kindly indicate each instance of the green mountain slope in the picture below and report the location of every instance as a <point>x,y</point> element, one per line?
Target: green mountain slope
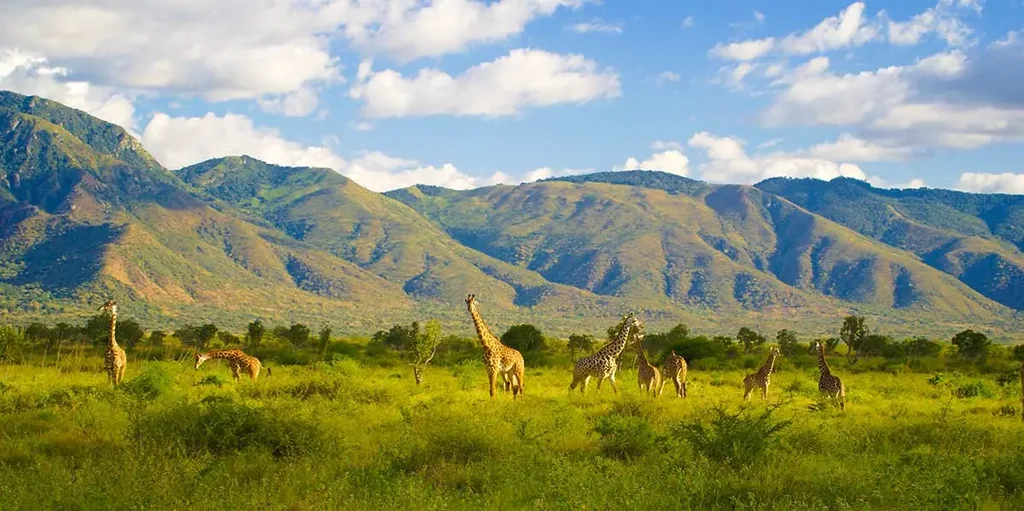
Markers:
<point>974,237</point>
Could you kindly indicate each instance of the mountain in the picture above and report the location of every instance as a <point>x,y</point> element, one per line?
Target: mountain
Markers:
<point>976,238</point>
<point>86,214</point>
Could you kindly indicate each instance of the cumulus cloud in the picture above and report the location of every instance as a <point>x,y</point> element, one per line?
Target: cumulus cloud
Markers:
<point>667,77</point>
<point>728,162</point>
<point>991,183</point>
<point>181,141</point>
<point>851,28</point>
<point>850,148</point>
<point>596,25</point>
<point>668,157</point>
<point>31,74</point>
<point>503,87</point>
<point>295,104</point>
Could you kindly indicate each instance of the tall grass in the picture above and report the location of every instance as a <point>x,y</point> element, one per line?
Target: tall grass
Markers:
<point>348,434</point>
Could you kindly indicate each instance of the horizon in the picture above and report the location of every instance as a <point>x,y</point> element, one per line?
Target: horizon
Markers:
<point>899,95</point>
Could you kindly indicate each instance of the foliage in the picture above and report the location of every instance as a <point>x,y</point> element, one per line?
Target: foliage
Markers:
<point>525,338</point>
<point>749,339</point>
<point>254,334</point>
<point>853,333</point>
<point>423,348</point>
<point>971,344</point>
<point>582,343</point>
<point>399,337</point>
<point>787,342</point>
<point>737,439</point>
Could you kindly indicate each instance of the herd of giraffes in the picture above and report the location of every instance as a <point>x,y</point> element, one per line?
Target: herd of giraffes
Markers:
<point>507,362</point>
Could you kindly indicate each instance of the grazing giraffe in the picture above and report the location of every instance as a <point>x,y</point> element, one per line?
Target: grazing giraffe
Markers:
<point>674,368</point>
<point>762,377</point>
<point>602,364</point>
<point>647,375</point>
<point>236,360</point>
<point>828,383</point>
<point>116,359</point>
<point>498,358</point>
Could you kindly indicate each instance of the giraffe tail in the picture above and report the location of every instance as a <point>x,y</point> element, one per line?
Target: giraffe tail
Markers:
<point>268,370</point>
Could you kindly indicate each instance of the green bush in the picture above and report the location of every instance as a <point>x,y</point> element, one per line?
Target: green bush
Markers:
<point>737,440</point>
<point>625,437</point>
<point>151,384</point>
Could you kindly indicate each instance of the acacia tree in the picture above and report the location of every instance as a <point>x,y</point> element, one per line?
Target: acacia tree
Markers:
<point>749,339</point>
<point>254,334</point>
<point>325,340</point>
<point>853,334</point>
<point>971,344</point>
<point>580,342</point>
<point>423,348</point>
<point>787,342</point>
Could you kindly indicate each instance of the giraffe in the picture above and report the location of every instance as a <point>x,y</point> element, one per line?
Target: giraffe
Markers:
<point>674,368</point>
<point>236,359</point>
<point>498,358</point>
<point>828,383</point>
<point>116,359</point>
<point>762,377</point>
<point>602,364</point>
<point>647,375</point>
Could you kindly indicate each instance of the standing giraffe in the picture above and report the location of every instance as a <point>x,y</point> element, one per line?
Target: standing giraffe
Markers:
<point>498,358</point>
<point>647,375</point>
<point>761,378</point>
<point>116,360</point>
<point>828,383</point>
<point>602,364</point>
<point>236,359</point>
<point>674,368</point>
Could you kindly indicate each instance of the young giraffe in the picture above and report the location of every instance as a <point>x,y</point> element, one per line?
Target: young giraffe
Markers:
<point>602,364</point>
<point>828,383</point>
<point>647,375</point>
<point>236,360</point>
<point>674,368</point>
<point>762,377</point>
<point>116,359</point>
<point>498,358</point>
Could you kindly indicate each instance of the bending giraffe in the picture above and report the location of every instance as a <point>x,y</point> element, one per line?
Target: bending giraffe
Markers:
<point>498,358</point>
<point>647,375</point>
<point>674,368</point>
<point>116,360</point>
<point>762,377</point>
<point>828,383</point>
<point>237,360</point>
<point>603,363</point>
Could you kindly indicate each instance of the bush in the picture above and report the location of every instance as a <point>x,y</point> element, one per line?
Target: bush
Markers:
<point>972,389</point>
<point>625,437</point>
<point>221,427</point>
<point>737,439</point>
<point>149,385</point>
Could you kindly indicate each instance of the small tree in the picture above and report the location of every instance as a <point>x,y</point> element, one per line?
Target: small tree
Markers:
<point>299,334</point>
<point>853,333</point>
<point>423,348</point>
<point>399,337</point>
<point>1018,352</point>
<point>228,338</point>
<point>204,335</point>
<point>830,344</point>
<point>156,337</point>
<point>129,332</point>
<point>971,344</point>
<point>524,338</point>
<point>921,347</point>
<point>254,334</point>
<point>582,343</point>
<point>749,339</point>
<point>324,340</point>
<point>787,342</point>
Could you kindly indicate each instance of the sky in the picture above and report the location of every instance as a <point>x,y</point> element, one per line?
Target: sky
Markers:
<point>469,93</point>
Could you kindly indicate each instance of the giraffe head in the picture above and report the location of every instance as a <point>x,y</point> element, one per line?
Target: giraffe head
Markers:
<point>200,358</point>
<point>110,306</point>
<point>774,350</point>
<point>471,301</point>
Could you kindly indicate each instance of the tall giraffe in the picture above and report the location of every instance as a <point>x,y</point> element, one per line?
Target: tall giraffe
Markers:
<point>647,375</point>
<point>762,377</point>
<point>116,359</point>
<point>237,359</point>
<point>498,358</point>
<point>828,383</point>
<point>602,364</point>
<point>674,368</point>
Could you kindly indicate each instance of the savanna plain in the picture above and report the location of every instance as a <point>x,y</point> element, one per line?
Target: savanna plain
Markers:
<point>351,429</point>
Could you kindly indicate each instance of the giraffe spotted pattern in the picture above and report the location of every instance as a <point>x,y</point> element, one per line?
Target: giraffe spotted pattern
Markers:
<point>674,369</point>
<point>498,358</point>
<point>603,364</point>
<point>237,360</point>
<point>115,360</point>
<point>761,378</point>
<point>828,383</point>
<point>647,375</point>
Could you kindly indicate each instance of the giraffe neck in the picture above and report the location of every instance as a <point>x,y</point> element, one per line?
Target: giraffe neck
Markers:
<point>822,365</point>
<point>220,354</point>
<point>615,347</point>
<point>113,327</point>
<point>768,365</point>
<point>643,354</point>
<point>487,339</point>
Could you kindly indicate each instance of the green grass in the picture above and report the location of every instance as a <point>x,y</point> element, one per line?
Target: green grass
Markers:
<point>346,435</point>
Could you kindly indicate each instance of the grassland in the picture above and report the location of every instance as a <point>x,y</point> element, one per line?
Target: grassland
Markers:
<point>357,433</point>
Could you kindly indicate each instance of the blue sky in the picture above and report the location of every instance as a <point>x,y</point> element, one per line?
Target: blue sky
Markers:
<point>464,93</point>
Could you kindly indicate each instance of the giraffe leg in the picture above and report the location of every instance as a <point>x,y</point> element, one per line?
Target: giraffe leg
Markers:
<point>684,389</point>
<point>120,373</point>
<point>611,381</point>
<point>520,370</point>
<point>492,377</point>
<point>234,371</point>
<point>661,387</point>
<point>586,381</point>
<point>764,392</point>
<point>599,380</point>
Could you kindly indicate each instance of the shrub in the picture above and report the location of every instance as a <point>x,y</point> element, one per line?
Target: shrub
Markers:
<point>149,385</point>
<point>734,439</point>
<point>625,437</point>
<point>972,389</point>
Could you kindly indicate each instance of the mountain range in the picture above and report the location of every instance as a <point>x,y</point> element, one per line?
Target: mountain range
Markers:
<point>86,213</point>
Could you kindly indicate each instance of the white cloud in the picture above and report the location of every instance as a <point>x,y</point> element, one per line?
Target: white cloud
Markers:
<point>769,143</point>
<point>30,74</point>
<point>728,162</point>
<point>991,183</point>
<point>548,172</point>
<point>503,87</point>
<point>759,17</point>
<point>688,22</point>
<point>295,104</point>
<point>744,50</point>
<point>850,28</point>
<point>596,25</point>
<point>672,161</point>
<point>942,20</point>
<point>409,29</point>
<point>181,141</point>
<point>667,77</point>
<point>879,182</point>
<point>850,148</point>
